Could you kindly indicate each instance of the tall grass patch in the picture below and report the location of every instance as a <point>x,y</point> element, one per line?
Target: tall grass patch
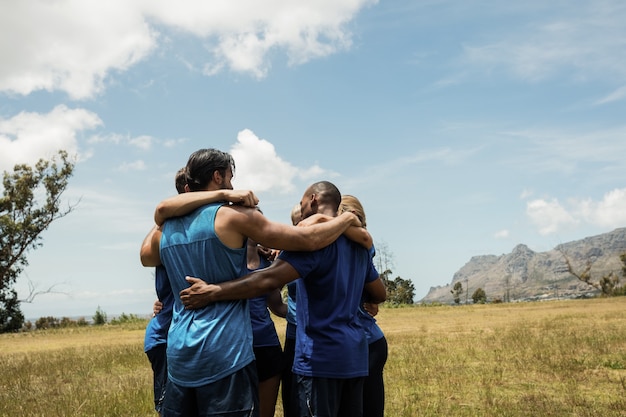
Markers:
<point>92,379</point>
<point>544,359</point>
<point>557,358</point>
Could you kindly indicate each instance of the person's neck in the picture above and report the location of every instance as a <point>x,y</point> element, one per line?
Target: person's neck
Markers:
<point>327,210</point>
<point>212,187</point>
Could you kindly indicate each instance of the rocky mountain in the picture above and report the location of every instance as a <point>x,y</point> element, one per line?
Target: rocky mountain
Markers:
<point>527,275</point>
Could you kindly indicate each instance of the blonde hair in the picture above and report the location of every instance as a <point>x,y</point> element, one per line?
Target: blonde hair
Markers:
<point>352,204</point>
<point>296,214</point>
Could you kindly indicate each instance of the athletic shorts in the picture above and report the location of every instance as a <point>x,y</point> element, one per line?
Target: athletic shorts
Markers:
<point>270,361</point>
<point>236,395</point>
<point>158,360</point>
<point>327,397</point>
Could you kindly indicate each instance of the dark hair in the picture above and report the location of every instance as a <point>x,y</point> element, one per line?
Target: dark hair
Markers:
<point>203,163</point>
<point>180,180</point>
<point>327,193</point>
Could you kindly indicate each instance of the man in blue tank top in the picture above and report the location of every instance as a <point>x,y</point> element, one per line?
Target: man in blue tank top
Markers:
<point>209,350</point>
<point>331,347</point>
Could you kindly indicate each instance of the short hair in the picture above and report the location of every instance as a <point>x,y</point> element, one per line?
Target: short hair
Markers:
<point>352,204</point>
<point>180,180</point>
<point>327,193</point>
<point>296,214</point>
<point>203,163</point>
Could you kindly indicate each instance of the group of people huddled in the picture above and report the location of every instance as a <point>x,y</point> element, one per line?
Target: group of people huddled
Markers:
<point>220,268</point>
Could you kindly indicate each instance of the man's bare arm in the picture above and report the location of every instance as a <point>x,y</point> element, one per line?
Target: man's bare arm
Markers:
<point>275,303</point>
<point>185,203</point>
<point>281,236</point>
<point>259,282</point>
<point>357,234</point>
<point>376,292</point>
<point>149,253</point>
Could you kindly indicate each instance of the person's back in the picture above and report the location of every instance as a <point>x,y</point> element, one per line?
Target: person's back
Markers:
<point>206,344</point>
<point>330,342</point>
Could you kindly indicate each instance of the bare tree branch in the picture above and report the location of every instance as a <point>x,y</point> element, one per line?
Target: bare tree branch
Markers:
<point>33,292</point>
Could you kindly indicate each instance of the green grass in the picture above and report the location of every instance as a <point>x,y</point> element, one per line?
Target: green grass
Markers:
<point>561,358</point>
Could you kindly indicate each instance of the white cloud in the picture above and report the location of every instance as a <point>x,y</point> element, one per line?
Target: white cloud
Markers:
<point>70,45</point>
<point>74,45</point>
<point>562,150</point>
<point>241,34</point>
<point>609,212</point>
<point>549,216</point>
<point>585,42</point>
<point>526,193</point>
<point>260,168</point>
<point>27,137</point>
<point>138,165</point>
<point>144,142</point>
<point>501,234</point>
<point>616,95</point>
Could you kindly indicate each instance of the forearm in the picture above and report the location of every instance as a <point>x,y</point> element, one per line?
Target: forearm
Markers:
<point>185,203</point>
<point>376,291</point>
<point>200,294</point>
<point>250,286</point>
<point>275,303</point>
<point>360,235</point>
<point>323,234</point>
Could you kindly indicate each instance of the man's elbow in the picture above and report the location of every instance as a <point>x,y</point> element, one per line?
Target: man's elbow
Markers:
<point>379,298</point>
<point>148,260</point>
<point>160,214</point>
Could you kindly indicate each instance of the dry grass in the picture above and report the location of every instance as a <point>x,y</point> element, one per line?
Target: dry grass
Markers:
<point>562,358</point>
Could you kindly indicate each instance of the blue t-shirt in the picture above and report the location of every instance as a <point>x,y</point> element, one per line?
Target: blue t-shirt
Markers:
<point>158,326</point>
<point>263,329</point>
<point>210,343</point>
<point>372,331</point>
<point>330,341</point>
<point>290,330</point>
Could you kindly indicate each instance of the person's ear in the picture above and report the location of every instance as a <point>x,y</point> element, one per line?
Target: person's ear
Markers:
<point>187,189</point>
<point>217,177</point>
<point>314,202</point>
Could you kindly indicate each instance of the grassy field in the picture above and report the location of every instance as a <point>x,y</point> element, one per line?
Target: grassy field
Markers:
<point>558,358</point>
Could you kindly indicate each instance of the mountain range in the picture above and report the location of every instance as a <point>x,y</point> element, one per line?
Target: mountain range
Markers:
<point>524,275</point>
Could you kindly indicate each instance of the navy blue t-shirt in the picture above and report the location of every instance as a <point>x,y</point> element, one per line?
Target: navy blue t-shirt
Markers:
<point>330,341</point>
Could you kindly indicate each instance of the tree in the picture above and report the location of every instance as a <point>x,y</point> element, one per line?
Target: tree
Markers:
<point>383,260</point>
<point>609,284</point>
<point>22,220</point>
<point>456,291</point>
<point>401,291</point>
<point>479,296</point>
<point>100,317</point>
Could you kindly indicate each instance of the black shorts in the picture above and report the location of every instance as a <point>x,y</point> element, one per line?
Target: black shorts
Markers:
<point>330,396</point>
<point>270,361</point>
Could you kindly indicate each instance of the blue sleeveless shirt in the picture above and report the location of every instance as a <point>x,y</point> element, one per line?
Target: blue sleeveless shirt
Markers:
<point>210,343</point>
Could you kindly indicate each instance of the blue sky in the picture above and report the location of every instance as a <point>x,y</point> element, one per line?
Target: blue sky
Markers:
<point>465,128</point>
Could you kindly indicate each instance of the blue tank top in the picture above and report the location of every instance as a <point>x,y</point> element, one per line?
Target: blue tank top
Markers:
<point>210,343</point>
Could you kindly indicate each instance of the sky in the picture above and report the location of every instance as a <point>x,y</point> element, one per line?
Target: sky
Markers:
<point>465,128</point>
